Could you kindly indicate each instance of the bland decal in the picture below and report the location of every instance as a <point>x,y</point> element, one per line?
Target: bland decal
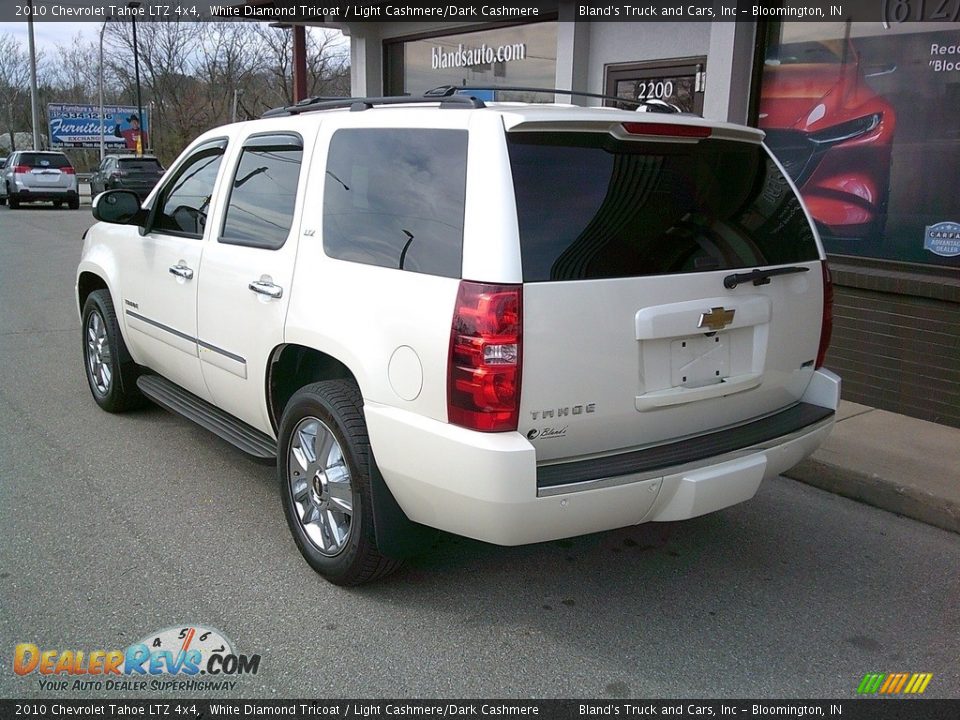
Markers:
<point>942,239</point>
<point>548,433</point>
<point>553,433</point>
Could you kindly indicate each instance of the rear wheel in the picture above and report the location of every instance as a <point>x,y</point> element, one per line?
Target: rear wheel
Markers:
<point>74,204</point>
<point>324,466</point>
<point>111,372</point>
<point>14,202</point>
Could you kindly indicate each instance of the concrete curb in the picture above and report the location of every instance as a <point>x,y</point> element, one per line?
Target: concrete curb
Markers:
<point>880,492</point>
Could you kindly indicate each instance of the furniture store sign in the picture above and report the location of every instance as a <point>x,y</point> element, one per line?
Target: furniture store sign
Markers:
<point>78,126</point>
<point>442,58</point>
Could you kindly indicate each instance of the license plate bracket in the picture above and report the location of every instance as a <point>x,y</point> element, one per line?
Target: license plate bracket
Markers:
<point>699,360</point>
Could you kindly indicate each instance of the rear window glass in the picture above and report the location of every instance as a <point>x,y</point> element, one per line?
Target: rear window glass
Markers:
<point>139,164</point>
<point>592,207</point>
<point>41,160</point>
<point>395,198</point>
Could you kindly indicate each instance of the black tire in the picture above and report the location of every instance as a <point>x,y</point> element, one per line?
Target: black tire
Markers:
<point>338,407</point>
<point>119,391</point>
<point>3,200</point>
<point>14,202</point>
<point>74,204</point>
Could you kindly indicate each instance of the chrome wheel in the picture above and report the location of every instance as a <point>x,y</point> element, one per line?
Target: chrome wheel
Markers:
<point>320,486</point>
<point>99,359</point>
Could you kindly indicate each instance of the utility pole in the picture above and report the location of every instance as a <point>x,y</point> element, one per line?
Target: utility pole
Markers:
<point>100,83</point>
<point>34,114</point>
<point>136,73</point>
<point>236,93</point>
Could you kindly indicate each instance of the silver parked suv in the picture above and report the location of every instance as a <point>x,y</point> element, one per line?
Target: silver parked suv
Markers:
<point>35,175</point>
<point>512,322</point>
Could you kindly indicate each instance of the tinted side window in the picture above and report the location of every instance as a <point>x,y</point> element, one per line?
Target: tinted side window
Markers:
<point>395,198</point>
<point>262,197</point>
<point>185,199</point>
<point>591,207</point>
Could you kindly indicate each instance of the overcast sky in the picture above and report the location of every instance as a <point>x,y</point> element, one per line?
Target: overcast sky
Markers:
<point>50,35</point>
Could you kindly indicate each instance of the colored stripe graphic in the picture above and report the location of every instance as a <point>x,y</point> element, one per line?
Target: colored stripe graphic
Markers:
<point>923,679</point>
<point>894,683</point>
<point>870,683</point>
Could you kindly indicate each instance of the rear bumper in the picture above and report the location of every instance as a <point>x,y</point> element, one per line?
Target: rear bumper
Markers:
<point>30,194</point>
<point>485,486</point>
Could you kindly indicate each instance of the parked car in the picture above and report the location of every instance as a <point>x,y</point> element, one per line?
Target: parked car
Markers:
<point>138,174</point>
<point>512,322</point>
<point>833,134</point>
<point>37,176</point>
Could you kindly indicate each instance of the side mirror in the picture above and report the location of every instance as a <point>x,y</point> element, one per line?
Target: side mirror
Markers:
<point>120,207</point>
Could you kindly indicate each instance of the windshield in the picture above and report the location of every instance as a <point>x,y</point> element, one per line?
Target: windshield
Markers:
<point>828,52</point>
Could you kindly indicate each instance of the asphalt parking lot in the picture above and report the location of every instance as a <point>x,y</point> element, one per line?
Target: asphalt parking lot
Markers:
<point>115,527</point>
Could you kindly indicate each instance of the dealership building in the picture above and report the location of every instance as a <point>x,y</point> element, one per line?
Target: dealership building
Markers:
<point>863,115</point>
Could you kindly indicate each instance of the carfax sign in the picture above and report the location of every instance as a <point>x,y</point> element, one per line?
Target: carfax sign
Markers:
<point>75,126</point>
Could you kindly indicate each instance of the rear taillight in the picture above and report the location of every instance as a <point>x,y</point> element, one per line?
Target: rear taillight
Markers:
<point>483,373</point>
<point>68,170</point>
<point>826,324</point>
<point>19,169</point>
<point>667,130</point>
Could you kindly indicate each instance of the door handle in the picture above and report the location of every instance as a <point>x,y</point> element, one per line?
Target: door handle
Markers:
<point>181,270</point>
<point>265,287</point>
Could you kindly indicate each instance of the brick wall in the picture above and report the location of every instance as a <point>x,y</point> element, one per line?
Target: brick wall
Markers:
<point>896,340</point>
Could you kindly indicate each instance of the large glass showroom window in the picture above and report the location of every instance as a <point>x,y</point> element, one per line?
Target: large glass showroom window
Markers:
<point>864,118</point>
<point>520,55</point>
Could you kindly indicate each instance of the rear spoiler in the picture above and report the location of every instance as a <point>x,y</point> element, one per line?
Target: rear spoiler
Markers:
<point>655,128</point>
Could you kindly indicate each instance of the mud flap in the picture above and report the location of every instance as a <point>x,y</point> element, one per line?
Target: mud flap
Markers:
<point>397,535</point>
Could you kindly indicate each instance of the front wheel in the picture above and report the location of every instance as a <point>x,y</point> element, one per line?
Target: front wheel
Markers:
<point>111,372</point>
<point>324,466</point>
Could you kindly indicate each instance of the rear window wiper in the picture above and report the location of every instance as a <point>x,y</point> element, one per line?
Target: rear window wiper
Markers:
<point>759,277</point>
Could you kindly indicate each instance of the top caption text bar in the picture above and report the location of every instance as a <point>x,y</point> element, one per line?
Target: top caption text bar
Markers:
<point>889,12</point>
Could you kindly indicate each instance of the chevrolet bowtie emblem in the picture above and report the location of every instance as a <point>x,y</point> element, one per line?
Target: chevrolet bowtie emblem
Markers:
<point>716,318</point>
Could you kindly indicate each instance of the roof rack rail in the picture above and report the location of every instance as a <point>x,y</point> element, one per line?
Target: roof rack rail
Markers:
<point>357,104</point>
<point>455,90</point>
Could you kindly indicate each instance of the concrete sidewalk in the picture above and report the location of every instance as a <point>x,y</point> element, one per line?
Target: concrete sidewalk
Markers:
<point>907,466</point>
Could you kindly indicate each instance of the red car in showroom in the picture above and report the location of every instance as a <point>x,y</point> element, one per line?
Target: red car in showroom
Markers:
<point>833,134</point>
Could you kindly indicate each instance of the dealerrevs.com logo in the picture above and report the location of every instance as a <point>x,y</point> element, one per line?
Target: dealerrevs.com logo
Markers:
<point>186,658</point>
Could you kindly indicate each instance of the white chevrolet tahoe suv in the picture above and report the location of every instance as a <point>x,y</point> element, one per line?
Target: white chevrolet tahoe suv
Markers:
<point>513,322</point>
